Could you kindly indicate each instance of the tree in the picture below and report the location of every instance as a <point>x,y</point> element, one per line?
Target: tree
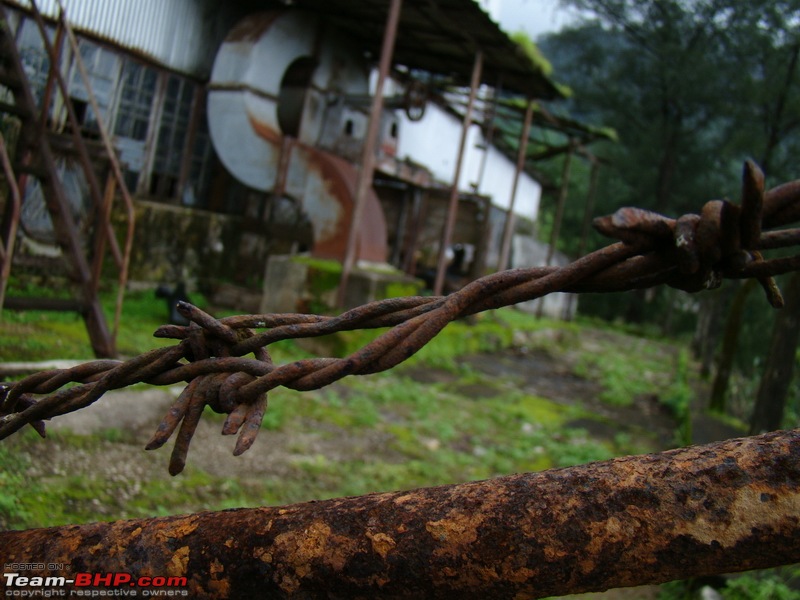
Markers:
<point>648,70</point>
<point>693,87</point>
<point>774,387</point>
<point>762,41</point>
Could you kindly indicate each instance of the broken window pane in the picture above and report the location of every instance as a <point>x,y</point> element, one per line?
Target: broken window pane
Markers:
<point>34,57</point>
<point>102,67</point>
<point>138,88</point>
<point>171,139</point>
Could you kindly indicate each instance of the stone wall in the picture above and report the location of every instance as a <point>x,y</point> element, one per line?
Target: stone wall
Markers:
<point>202,248</point>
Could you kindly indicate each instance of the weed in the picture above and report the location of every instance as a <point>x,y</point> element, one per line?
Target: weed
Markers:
<point>13,513</point>
<point>679,398</point>
<point>769,584</point>
<point>427,434</point>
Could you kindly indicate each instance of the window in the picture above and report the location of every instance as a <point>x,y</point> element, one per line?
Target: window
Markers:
<point>171,141</point>
<point>103,68</point>
<point>137,89</point>
<point>136,101</point>
<point>34,57</point>
<point>197,187</point>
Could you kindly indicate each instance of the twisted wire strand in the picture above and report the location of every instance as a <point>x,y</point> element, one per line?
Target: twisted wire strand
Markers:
<point>692,253</point>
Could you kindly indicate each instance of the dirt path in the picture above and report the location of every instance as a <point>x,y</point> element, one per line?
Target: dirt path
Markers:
<point>536,372</point>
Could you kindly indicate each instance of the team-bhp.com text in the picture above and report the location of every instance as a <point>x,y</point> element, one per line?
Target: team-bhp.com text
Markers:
<point>93,585</point>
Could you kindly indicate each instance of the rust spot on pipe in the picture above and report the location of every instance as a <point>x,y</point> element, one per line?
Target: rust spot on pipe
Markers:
<point>724,507</point>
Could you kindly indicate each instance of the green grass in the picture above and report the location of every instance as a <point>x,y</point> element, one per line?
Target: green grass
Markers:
<point>381,432</point>
<point>44,335</point>
<point>768,584</point>
<point>428,434</point>
<point>627,370</point>
<point>378,432</point>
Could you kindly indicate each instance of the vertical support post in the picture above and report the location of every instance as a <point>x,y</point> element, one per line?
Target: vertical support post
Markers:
<point>489,128</point>
<point>10,220</point>
<point>368,153</point>
<point>198,100</point>
<point>410,249</point>
<point>508,229</point>
<point>562,198</point>
<point>589,208</point>
<point>587,218</point>
<point>452,209</point>
<point>287,145</point>
<point>400,228</point>
<point>478,267</point>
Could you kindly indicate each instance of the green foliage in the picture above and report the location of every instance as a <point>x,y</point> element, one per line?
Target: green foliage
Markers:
<point>662,74</point>
<point>757,585</point>
<point>749,587</point>
<point>628,372</point>
<point>13,513</point>
<point>679,397</point>
<point>532,51</point>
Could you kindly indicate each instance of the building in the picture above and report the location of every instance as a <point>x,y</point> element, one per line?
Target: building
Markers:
<point>240,129</point>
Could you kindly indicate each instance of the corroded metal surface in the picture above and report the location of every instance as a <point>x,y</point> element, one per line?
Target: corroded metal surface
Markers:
<point>336,181</point>
<point>723,507</point>
<point>258,96</point>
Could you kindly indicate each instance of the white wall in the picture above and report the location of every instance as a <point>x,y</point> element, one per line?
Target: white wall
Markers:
<point>433,142</point>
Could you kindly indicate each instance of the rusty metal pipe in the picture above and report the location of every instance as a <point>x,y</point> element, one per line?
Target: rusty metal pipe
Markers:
<point>508,228</point>
<point>452,207</point>
<point>587,220</point>
<point>365,174</point>
<point>14,205</point>
<point>723,507</point>
<point>562,198</point>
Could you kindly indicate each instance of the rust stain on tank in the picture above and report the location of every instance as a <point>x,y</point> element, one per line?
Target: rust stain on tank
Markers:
<point>265,131</point>
<point>251,28</point>
<point>340,179</point>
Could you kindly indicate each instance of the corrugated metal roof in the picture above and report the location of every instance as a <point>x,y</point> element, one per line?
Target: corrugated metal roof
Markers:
<point>182,34</point>
<point>437,36</point>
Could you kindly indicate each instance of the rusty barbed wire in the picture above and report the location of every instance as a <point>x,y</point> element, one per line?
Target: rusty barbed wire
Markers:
<point>692,253</point>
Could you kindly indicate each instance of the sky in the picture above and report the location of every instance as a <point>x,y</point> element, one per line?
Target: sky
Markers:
<point>535,17</point>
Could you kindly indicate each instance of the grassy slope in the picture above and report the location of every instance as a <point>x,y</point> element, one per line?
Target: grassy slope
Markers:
<point>400,433</point>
